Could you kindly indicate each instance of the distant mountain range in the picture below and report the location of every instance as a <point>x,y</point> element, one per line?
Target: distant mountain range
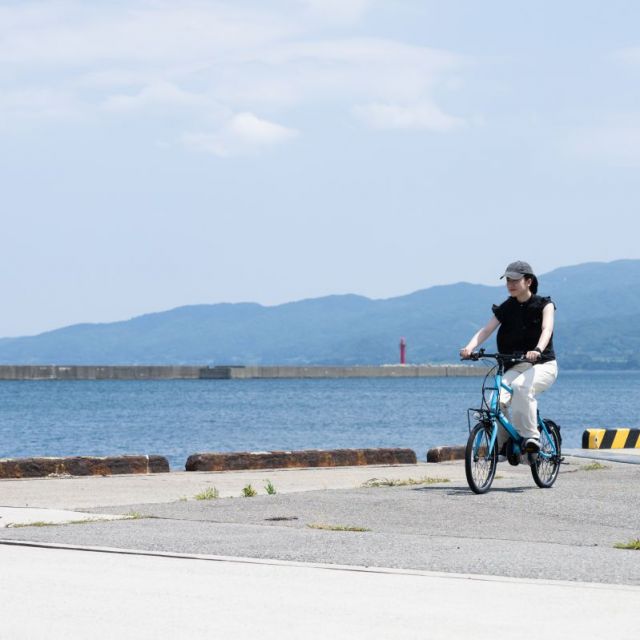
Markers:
<point>597,326</point>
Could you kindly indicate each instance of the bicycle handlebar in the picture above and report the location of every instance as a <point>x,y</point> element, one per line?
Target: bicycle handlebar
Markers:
<point>501,357</point>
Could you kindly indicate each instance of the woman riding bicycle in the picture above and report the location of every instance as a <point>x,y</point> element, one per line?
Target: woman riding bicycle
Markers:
<point>526,326</point>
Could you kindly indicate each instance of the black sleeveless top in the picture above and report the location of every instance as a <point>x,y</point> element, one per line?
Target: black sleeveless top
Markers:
<point>521,326</point>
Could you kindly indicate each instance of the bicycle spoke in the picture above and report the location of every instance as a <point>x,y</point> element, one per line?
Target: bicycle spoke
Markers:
<point>546,464</point>
<point>480,461</point>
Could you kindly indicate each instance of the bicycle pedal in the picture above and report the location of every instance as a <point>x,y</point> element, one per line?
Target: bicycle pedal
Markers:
<point>513,459</point>
<point>513,456</point>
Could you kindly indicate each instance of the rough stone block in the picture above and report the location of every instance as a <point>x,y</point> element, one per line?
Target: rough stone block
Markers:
<point>82,466</point>
<point>297,459</point>
<point>445,454</point>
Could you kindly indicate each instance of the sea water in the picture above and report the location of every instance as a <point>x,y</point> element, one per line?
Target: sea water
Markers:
<point>176,418</point>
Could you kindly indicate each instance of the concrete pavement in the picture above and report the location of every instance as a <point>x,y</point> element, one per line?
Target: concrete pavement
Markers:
<point>254,568</point>
<point>629,456</point>
<point>75,594</point>
<point>517,530</point>
<point>77,493</point>
<point>96,491</point>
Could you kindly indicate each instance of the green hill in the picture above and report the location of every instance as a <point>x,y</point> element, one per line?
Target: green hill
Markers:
<point>597,326</point>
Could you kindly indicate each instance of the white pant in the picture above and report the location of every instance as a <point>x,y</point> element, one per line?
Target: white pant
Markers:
<point>527,381</point>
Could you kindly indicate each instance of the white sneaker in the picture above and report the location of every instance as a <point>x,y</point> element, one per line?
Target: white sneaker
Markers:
<point>531,445</point>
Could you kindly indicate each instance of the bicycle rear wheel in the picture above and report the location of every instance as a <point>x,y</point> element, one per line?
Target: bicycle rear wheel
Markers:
<point>546,463</point>
<point>479,462</point>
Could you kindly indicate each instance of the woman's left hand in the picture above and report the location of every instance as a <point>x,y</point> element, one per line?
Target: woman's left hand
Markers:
<point>532,356</point>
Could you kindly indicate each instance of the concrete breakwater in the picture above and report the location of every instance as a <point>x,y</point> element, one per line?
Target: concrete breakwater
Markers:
<point>90,372</point>
<point>231,372</point>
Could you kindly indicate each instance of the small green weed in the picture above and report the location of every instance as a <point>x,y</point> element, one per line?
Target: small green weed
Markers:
<point>594,466</point>
<point>269,488</point>
<point>249,492</point>
<point>393,482</point>
<point>134,515</point>
<point>632,544</point>
<point>210,493</point>
<point>336,527</point>
<point>42,523</point>
<point>39,523</point>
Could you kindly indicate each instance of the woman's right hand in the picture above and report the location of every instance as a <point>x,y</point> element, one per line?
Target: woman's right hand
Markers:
<point>465,353</point>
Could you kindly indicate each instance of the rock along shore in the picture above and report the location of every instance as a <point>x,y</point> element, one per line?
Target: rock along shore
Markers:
<point>234,461</point>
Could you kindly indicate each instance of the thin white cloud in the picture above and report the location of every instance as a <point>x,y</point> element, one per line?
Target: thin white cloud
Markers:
<point>201,60</point>
<point>366,50</point>
<point>386,84</point>
<point>427,117</point>
<point>341,11</point>
<point>72,33</point>
<point>364,69</point>
<point>615,143</point>
<point>37,104</point>
<point>252,129</point>
<point>243,134</point>
<point>163,94</point>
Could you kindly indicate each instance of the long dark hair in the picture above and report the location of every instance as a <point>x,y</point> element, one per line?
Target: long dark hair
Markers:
<point>534,283</point>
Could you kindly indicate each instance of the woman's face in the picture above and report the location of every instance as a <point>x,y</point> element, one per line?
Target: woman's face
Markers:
<point>518,287</point>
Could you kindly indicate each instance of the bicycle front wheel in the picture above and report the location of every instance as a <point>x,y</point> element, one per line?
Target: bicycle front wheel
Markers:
<point>479,459</point>
<point>546,463</point>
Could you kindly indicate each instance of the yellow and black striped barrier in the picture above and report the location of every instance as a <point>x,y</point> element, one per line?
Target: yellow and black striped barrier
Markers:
<point>611,439</point>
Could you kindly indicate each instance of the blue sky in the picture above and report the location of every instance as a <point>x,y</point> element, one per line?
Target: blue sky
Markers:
<point>155,154</point>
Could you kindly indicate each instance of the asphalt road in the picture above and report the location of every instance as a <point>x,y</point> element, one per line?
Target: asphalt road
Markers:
<point>517,530</point>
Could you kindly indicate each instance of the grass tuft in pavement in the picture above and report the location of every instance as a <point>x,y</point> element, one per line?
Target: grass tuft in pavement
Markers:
<point>632,544</point>
<point>134,515</point>
<point>42,523</point>
<point>210,493</point>
<point>393,482</point>
<point>594,466</point>
<point>336,527</point>
<point>249,491</point>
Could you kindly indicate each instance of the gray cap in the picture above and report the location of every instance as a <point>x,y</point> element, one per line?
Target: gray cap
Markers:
<point>517,270</point>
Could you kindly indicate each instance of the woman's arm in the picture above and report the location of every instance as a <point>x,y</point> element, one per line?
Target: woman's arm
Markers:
<point>548,316</point>
<point>480,337</point>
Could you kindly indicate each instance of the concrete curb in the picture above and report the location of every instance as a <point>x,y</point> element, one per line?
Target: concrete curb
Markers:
<point>298,459</point>
<point>446,454</point>
<point>82,466</point>
<point>298,564</point>
<point>611,439</point>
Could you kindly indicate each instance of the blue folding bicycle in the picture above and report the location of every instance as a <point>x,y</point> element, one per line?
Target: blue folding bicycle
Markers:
<point>481,454</point>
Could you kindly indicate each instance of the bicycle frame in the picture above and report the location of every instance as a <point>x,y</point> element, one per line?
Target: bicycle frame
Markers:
<point>493,414</point>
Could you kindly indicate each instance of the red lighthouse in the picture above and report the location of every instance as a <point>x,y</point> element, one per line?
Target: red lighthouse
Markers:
<point>403,351</point>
